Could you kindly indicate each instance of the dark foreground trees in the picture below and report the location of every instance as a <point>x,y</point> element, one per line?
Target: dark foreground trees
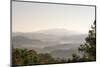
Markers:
<point>24,57</point>
<point>31,57</point>
<point>89,47</point>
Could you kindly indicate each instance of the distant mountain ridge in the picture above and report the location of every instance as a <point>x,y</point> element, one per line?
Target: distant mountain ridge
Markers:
<point>52,41</point>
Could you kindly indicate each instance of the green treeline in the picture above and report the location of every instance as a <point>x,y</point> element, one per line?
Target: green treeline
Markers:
<point>31,57</point>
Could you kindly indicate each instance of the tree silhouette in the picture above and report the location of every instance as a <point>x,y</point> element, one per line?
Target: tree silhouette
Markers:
<point>88,49</point>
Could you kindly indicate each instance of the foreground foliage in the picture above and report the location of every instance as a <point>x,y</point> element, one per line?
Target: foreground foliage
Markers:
<point>89,47</point>
<point>30,57</point>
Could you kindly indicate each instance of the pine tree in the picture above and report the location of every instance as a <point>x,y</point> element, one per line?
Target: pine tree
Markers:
<point>89,47</point>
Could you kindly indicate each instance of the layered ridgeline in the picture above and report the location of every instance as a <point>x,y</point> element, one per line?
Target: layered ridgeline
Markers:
<point>60,43</point>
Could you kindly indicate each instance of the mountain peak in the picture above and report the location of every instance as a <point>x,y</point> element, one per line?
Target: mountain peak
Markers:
<point>57,31</point>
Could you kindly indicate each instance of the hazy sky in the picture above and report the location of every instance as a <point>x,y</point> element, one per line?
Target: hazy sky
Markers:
<point>31,17</point>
